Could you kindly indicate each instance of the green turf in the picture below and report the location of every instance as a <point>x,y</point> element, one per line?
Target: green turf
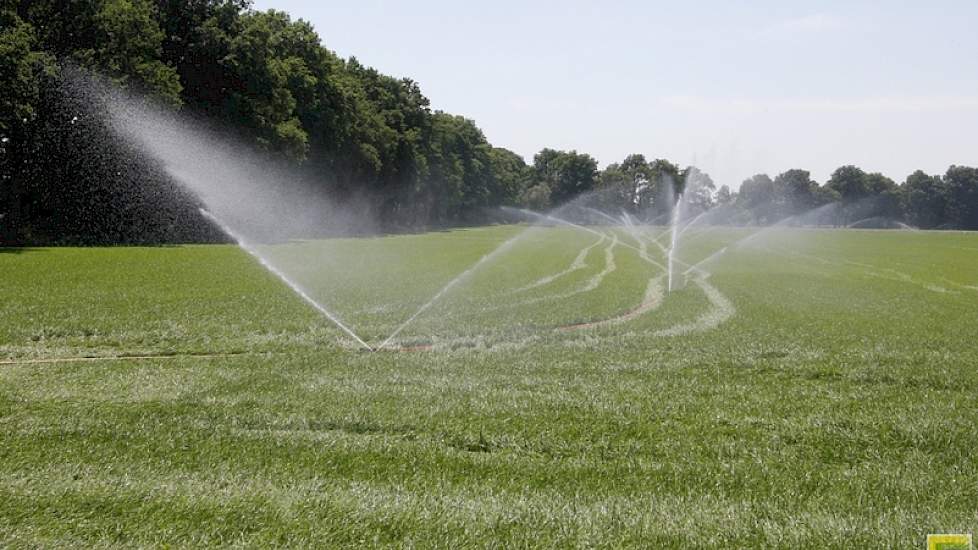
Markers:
<point>818,390</point>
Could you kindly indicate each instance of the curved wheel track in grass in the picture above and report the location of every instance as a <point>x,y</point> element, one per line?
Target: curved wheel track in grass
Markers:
<point>578,264</point>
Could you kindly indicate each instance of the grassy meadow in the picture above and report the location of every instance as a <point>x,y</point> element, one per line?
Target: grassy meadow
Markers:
<point>803,389</point>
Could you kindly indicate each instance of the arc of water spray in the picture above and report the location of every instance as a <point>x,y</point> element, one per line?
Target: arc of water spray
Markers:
<point>752,236</point>
<point>555,219</point>
<point>655,219</point>
<point>577,264</point>
<point>631,223</point>
<point>444,290</point>
<point>624,221</point>
<point>600,213</point>
<point>676,213</point>
<point>722,251</point>
<point>451,284</point>
<point>710,258</point>
<point>633,231</point>
<point>690,223</point>
<point>285,279</point>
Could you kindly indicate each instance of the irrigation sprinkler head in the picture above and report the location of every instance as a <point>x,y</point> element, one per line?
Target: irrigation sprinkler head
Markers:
<point>678,282</point>
<point>402,349</point>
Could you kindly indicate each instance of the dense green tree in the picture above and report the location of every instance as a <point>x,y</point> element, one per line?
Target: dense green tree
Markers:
<point>799,191</point>
<point>19,64</point>
<point>128,47</point>
<point>724,196</point>
<point>757,196</point>
<point>665,183</point>
<point>197,41</point>
<point>865,196</point>
<point>850,182</point>
<point>510,175</point>
<point>262,58</point>
<point>962,194</point>
<point>66,29</point>
<point>698,190</point>
<point>536,197</point>
<point>546,165</point>
<point>827,200</point>
<point>888,199</point>
<point>621,184</point>
<point>461,164</point>
<point>616,189</point>
<point>566,174</point>
<point>852,186</point>
<point>121,39</point>
<point>925,200</point>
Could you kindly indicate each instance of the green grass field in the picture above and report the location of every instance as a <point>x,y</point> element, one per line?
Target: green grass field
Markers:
<point>818,389</point>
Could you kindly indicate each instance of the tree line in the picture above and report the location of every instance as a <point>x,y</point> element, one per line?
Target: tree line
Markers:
<point>851,196</point>
<point>270,80</point>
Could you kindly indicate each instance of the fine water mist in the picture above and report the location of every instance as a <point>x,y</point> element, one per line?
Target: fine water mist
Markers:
<point>256,201</point>
<point>285,278</point>
<point>253,199</point>
<point>263,200</point>
<point>674,245</point>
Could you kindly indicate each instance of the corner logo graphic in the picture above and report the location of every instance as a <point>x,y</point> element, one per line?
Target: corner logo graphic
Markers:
<point>949,542</point>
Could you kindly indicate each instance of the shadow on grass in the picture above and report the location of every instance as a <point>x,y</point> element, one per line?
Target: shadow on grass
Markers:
<point>18,250</point>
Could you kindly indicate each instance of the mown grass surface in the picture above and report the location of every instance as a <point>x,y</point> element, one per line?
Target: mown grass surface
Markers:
<point>836,406</point>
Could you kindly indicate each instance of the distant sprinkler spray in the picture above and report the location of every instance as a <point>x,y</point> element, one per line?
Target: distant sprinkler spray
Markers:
<point>676,213</point>
<point>554,219</point>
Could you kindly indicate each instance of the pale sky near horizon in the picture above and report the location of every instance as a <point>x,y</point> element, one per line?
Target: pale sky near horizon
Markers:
<point>736,88</point>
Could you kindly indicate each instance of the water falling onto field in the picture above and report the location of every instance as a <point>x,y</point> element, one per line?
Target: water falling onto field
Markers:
<point>285,279</point>
<point>253,199</point>
<point>257,203</point>
<point>551,218</point>
<point>674,246</point>
<point>451,284</point>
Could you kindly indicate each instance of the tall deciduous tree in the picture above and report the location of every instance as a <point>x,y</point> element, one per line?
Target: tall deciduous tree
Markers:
<point>665,184</point>
<point>18,67</point>
<point>698,190</point>
<point>262,60</point>
<point>798,189</point>
<point>567,174</point>
<point>19,82</point>
<point>757,196</point>
<point>925,200</point>
<point>962,193</point>
<point>850,182</point>
<point>511,175</point>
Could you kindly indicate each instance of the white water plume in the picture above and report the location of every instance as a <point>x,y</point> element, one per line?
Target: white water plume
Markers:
<point>580,262</point>
<point>294,286</point>
<point>561,221</point>
<point>601,214</point>
<point>452,284</point>
<point>252,198</point>
<point>813,213</point>
<point>262,199</point>
<point>595,281</point>
<point>676,218</point>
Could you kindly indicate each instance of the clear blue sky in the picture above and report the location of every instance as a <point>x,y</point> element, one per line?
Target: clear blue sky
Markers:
<point>734,87</point>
